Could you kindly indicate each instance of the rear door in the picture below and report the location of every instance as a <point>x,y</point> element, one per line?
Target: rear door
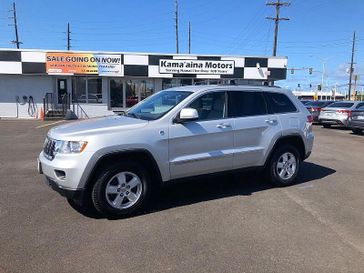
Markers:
<point>205,145</point>
<point>289,117</point>
<point>254,127</point>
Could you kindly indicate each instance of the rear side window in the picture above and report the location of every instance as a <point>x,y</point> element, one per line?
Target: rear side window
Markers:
<point>360,105</point>
<point>279,103</point>
<point>341,105</point>
<point>243,104</point>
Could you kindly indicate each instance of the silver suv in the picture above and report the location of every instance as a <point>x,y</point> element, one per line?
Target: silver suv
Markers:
<point>180,132</point>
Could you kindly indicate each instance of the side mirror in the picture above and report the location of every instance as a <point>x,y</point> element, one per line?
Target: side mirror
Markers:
<point>187,114</point>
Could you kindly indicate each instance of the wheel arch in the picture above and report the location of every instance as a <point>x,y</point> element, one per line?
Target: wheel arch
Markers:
<point>140,155</point>
<point>294,140</point>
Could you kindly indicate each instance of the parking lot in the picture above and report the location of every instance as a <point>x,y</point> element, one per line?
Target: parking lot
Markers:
<point>230,223</point>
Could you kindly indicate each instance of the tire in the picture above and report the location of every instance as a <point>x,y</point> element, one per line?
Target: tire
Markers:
<point>357,131</point>
<point>122,190</point>
<point>326,125</point>
<point>293,163</point>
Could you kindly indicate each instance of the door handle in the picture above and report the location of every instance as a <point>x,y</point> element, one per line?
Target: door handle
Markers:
<point>271,121</point>
<point>223,125</point>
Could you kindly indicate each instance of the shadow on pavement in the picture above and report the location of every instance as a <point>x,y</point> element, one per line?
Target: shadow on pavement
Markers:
<point>193,191</point>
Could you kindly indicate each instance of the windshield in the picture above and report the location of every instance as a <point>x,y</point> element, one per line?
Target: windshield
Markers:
<point>157,105</point>
<point>341,105</point>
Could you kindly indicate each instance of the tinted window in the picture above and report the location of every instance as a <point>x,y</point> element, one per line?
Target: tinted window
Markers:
<point>360,105</point>
<point>210,106</point>
<point>317,103</point>
<point>242,104</point>
<point>279,103</point>
<point>341,105</point>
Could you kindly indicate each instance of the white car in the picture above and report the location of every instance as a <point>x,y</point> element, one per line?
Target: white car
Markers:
<point>338,113</point>
<point>177,133</point>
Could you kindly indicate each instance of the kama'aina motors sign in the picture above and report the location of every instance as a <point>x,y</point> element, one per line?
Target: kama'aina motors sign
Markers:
<point>211,67</point>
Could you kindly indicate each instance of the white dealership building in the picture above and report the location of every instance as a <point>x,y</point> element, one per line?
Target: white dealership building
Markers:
<point>99,83</point>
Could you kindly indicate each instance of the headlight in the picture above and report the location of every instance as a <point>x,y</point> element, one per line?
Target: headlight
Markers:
<point>69,147</point>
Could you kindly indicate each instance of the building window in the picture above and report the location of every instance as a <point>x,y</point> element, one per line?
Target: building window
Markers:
<point>87,90</point>
<point>131,93</point>
<point>137,90</point>
<point>146,88</point>
<point>79,90</point>
<point>94,90</point>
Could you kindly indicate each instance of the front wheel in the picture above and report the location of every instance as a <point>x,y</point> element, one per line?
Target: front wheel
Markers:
<point>284,165</point>
<point>122,189</point>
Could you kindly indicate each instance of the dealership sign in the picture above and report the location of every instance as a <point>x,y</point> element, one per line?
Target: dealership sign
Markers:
<point>84,63</point>
<point>169,66</point>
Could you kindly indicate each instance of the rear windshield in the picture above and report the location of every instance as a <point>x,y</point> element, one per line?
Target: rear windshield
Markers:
<point>341,105</point>
<point>316,103</point>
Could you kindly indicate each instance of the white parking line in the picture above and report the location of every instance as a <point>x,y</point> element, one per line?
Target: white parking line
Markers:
<point>49,124</point>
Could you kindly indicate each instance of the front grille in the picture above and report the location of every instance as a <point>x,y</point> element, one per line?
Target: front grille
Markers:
<point>49,148</point>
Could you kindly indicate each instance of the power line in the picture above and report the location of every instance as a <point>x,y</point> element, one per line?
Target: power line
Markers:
<point>276,19</point>
<point>15,24</point>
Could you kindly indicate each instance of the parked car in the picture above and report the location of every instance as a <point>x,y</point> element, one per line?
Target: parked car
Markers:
<point>338,113</point>
<point>177,133</point>
<point>314,107</point>
<point>356,120</point>
<point>305,102</point>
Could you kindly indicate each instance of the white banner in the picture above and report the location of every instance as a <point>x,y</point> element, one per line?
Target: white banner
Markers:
<point>196,67</point>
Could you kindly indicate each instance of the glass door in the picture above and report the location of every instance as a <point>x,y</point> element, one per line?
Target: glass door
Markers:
<point>62,89</point>
<point>117,97</point>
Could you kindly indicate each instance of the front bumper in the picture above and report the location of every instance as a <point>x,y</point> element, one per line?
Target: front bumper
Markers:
<point>66,170</point>
<point>76,195</point>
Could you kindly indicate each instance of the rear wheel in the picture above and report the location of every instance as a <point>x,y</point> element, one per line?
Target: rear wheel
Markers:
<point>122,189</point>
<point>357,131</point>
<point>284,165</point>
<point>326,125</point>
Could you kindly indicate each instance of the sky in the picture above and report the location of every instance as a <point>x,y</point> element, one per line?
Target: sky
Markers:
<point>319,31</point>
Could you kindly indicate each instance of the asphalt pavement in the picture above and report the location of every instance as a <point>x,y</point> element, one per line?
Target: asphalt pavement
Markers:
<point>229,223</point>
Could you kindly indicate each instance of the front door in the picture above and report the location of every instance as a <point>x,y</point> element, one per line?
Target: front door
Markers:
<point>205,145</point>
<point>61,89</point>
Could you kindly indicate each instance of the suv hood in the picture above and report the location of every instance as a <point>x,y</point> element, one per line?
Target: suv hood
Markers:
<point>96,126</point>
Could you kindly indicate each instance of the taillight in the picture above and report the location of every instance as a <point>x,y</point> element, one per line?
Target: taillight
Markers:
<point>309,119</point>
<point>348,112</point>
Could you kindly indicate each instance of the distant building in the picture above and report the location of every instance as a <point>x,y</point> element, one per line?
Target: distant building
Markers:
<point>100,83</point>
<point>324,95</point>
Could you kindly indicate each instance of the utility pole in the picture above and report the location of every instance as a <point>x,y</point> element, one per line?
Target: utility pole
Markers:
<point>322,78</point>
<point>351,65</point>
<point>68,37</point>
<point>189,37</point>
<point>16,42</point>
<point>276,20</point>
<point>176,25</point>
